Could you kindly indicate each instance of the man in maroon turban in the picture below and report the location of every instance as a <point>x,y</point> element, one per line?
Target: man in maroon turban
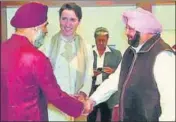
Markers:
<point>26,73</point>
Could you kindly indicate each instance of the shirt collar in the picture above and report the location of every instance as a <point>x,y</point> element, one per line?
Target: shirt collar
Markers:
<point>67,40</point>
<point>106,50</point>
<point>21,39</point>
<point>137,48</point>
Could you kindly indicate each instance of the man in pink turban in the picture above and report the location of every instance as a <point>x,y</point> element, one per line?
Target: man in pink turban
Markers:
<point>146,78</point>
<point>143,22</point>
<point>26,73</point>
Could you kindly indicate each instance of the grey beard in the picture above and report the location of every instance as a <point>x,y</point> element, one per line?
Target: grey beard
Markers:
<point>39,42</point>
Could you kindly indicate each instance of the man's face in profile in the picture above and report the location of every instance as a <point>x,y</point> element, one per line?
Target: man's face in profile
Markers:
<point>133,36</point>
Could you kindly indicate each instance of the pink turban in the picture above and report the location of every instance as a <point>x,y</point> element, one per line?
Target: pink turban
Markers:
<point>30,15</point>
<point>142,21</point>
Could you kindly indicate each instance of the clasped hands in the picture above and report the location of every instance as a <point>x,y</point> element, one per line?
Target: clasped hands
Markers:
<point>88,103</point>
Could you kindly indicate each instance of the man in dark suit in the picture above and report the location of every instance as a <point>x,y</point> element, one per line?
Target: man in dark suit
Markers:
<point>106,60</point>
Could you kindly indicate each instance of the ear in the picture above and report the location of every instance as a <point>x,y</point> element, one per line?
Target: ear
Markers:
<point>79,22</point>
<point>34,28</point>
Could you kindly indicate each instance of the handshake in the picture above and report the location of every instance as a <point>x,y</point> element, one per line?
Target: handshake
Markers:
<point>88,103</point>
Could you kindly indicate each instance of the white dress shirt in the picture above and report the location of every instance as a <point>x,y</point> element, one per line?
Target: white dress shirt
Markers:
<point>66,79</point>
<point>65,73</point>
<point>164,73</point>
<point>100,62</point>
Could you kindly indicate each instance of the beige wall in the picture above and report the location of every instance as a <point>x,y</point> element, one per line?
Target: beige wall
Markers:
<point>166,15</point>
<point>109,17</point>
<point>93,17</point>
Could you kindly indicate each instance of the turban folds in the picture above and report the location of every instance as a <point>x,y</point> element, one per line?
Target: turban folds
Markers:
<point>30,15</point>
<point>101,31</point>
<point>142,21</point>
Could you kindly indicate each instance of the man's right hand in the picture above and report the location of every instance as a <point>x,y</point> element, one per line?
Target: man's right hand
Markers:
<point>96,73</point>
<point>108,70</point>
<point>88,106</point>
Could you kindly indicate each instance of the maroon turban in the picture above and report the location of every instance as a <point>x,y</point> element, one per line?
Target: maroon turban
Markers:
<point>30,15</point>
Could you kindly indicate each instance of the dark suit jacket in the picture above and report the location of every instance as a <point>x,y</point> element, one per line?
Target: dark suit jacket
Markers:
<point>112,60</point>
